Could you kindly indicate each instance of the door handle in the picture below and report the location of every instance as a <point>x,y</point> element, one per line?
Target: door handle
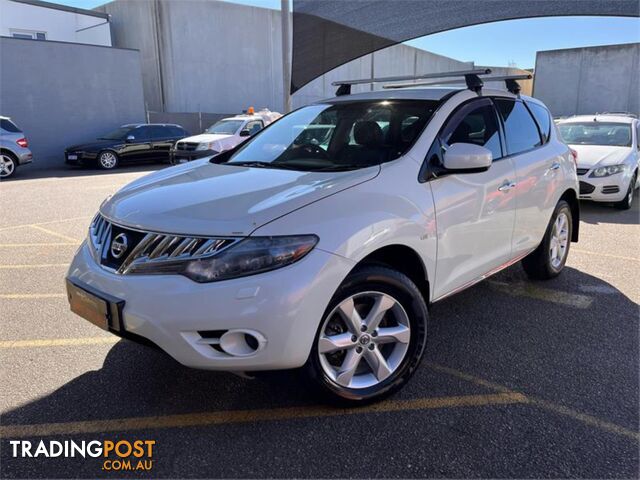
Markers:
<point>555,166</point>
<point>506,186</point>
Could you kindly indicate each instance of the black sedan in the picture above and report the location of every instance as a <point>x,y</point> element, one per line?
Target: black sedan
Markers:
<point>139,142</point>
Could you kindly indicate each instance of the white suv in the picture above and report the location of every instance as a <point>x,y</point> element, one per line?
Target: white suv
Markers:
<point>321,241</point>
<point>608,150</point>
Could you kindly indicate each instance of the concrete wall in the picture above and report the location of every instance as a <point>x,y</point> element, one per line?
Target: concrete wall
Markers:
<point>57,25</point>
<point>64,93</point>
<point>589,80</point>
<point>216,56</point>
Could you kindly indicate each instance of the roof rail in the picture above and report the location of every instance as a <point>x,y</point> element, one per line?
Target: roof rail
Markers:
<point>344,86</point>
<point>619,114</point>
<point>510,81</point>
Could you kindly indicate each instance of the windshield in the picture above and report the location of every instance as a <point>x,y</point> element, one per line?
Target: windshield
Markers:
<point>596,133</point>
<point>118,134</point>
<point>225,127</point>
<point>341,136</point>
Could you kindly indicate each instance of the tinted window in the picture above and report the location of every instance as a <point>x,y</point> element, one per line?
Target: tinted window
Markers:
<point>520,129</point>
<point>176,132</point>
<point>159,132</point>
<point>9,126</point>
<point>638,136</point>
<point>543,118</point>
<point>476,124</point>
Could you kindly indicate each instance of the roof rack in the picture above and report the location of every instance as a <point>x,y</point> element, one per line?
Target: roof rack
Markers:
<point>471,77</point>
<point>510,81</point>
<point>619,114</point>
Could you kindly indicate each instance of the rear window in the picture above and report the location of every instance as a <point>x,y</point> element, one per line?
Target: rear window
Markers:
<point>9,126</point>
<point>520,129</point>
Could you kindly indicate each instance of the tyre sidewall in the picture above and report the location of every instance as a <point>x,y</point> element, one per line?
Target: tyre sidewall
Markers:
<point>399,286</point>
<point>561,207</point>
<point>15,165</point>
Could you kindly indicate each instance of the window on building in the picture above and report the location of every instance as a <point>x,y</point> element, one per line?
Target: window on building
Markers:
<point>28,34</point>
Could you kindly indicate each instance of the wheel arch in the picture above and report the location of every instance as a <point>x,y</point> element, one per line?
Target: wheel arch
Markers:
<point>571,198</point>
<point>7,151</point>
<point>405,260</point>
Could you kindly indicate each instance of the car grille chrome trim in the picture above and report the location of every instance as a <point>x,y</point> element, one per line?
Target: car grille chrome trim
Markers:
<point>153,247</point>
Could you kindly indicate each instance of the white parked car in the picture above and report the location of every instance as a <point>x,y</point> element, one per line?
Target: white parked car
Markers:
<point>222,135</point>
<point>608,148</point>
<point>322,240</point>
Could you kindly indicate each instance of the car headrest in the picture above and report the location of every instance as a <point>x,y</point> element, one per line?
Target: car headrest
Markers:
<point>368,133</point>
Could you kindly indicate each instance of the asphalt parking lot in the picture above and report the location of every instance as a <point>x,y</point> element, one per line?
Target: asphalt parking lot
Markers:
<point>520,379</point>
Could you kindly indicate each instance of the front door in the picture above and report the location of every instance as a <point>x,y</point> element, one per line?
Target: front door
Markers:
<point>475,212</point>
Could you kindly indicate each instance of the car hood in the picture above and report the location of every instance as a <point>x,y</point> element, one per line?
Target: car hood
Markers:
<point>591,155</point>
<point>93,146</point>
<point>201,198</point>
<point>206,137</point>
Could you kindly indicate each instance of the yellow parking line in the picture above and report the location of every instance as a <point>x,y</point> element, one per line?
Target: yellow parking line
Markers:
<point>12,227</point>
<point>18,296</point>
<point>245,416</point>
<point>546,294</point>
<point>608,255</point>
<point>39,245</point>
<point>59,342</point>
<point>35,265</point>
<point>55,234</point>
<point>545,404</point>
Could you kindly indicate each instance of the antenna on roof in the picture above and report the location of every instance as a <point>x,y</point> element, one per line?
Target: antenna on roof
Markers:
<point>344,86</point>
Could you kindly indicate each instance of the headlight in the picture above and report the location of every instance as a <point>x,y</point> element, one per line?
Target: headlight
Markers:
<point>248,257</point>
<point>607,171</point>
<point>205,146</point>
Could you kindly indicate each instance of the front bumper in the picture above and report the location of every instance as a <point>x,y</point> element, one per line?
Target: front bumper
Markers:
<point>604,189</point>
<point>81,158</point>
<point>184,156</point>
<point>285,306</point>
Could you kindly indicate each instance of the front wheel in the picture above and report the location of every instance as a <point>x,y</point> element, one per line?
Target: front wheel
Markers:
<point>548,260</point>
<point>371,338</point>
<point>107,160</point>
<point>627,201</point>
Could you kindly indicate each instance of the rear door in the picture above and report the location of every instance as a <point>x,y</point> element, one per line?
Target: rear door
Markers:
<point>538,169</point>
<point>475,212</point>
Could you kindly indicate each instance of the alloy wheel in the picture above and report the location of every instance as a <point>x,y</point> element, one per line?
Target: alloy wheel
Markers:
<point>559,240</point>
<point>364,340</point>
<point>108,160</point>
<point>7,166</point>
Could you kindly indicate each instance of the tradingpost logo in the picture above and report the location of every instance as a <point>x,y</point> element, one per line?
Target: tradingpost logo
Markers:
<point>116,455</point>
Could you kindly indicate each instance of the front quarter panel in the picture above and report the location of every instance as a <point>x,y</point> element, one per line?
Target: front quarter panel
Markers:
<point>391,209</point>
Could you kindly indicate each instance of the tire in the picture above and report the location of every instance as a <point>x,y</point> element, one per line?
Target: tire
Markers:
<point>627,201</point>
<point>108,160</point>
<point>399,338</point>
<point>8,165</point>
<point>547,262</point>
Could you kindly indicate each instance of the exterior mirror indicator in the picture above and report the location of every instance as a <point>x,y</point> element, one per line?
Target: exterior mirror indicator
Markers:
<point>130,138</point>
<point>467,157</point>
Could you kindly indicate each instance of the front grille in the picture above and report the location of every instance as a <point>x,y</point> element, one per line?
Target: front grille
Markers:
<point>134,247</point>
<point>187,146</point>
<point>582,171</point>
<point>610,189</point>
<point>586,188</point>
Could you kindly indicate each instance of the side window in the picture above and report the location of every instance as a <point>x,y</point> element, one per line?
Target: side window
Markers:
<point>543,117</point>
<point>475,123</point>
<point>638,136</point>
<point>9,126</point>
<point>254,127</point>
<point>176,132</point>
<point>520,129</point>
<point>141,133</point>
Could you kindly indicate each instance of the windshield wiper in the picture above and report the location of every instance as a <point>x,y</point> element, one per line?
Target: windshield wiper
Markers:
<point>338,168</point>
<point>256,164</point>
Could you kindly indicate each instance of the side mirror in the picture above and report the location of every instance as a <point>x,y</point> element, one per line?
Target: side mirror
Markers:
<point>130,138</point>
<point>467,158</point>
<point>245,133</point>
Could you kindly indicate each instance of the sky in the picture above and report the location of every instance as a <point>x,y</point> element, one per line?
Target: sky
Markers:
<point>508,43</point>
